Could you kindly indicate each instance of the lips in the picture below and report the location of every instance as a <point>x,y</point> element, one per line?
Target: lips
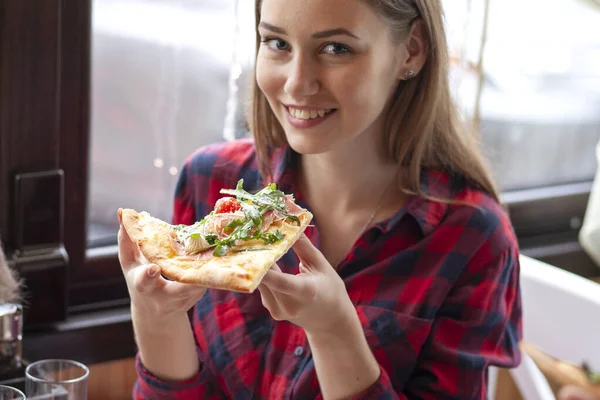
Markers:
<point>307,117</point>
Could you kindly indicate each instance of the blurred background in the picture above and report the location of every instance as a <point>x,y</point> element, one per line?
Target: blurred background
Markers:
<point>169,76</point>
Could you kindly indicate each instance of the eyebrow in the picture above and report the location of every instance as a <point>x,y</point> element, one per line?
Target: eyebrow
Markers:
<point>317,35</point>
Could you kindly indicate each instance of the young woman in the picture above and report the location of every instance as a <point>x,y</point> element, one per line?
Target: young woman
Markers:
<point>407,284</point>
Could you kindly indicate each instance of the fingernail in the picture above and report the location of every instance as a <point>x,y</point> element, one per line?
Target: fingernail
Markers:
<point>153,271</point>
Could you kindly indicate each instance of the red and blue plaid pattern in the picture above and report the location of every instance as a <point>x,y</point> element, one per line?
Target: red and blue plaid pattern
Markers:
<point>435,286</point>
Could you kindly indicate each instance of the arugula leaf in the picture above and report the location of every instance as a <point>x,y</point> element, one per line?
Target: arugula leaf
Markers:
<point>233,224</point>
<point>242,232</point>
<point>269,238</point>
<point>248,249</point>
<point>245,229</point>
<point>211,238</point>
<point>269,198</point>
<point>252,213</point>
<point>221,250</point>
<point>254,206</point>
<point>592,376</point>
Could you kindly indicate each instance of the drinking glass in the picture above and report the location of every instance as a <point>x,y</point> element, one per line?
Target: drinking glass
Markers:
<point>56,380</point>
<point>10,393</point>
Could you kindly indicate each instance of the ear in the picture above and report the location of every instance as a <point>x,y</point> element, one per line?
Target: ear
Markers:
<point>416,45</point>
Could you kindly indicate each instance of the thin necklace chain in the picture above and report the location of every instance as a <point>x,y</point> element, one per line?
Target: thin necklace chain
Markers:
<point>370,220</point>
<point>374,213</point>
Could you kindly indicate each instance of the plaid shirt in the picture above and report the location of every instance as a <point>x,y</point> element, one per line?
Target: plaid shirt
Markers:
<point>435,287</point>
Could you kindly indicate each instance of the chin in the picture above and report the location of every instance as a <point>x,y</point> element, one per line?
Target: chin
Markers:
<point>306,145</point>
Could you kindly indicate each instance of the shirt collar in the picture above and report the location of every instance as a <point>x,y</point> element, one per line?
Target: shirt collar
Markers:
<point>423,208</point>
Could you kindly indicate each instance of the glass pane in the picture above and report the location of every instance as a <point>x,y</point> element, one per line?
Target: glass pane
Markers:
<point>540,102</point>
<point>160,73</point>
<point>163,71</point>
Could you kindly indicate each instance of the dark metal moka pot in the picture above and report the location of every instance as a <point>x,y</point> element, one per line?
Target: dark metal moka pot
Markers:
<point>11,337</point>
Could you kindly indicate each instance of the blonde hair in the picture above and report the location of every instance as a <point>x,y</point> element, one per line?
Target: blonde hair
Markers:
<point>423,128</point>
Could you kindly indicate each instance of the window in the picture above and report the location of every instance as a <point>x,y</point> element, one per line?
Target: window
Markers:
<point>165,92</point>
<point>165,77</point>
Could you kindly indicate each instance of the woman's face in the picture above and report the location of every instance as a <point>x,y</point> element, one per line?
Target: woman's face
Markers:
<point>327,68</point>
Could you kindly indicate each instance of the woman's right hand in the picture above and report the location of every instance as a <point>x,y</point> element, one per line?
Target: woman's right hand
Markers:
<point>155,301</point>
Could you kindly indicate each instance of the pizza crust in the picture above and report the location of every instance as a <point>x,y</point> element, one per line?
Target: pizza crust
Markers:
<point>236,271</point>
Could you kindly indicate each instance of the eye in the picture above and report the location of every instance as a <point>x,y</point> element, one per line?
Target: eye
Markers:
<point>276,44</point>
<point>336,49</point>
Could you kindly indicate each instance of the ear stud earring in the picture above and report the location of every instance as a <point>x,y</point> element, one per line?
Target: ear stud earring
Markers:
<point>409,74</point>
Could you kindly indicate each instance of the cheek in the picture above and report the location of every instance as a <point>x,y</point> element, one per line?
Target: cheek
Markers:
<point>267,78</point>
<point>363,88</point>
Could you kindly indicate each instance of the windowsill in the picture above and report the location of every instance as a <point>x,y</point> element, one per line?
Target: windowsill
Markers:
<point>90,338</point>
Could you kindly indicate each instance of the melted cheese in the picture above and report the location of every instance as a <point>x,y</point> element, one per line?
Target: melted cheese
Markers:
<point>195,244</point>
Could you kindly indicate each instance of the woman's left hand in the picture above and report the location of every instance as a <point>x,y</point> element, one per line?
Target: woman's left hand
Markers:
<point>315,299</point>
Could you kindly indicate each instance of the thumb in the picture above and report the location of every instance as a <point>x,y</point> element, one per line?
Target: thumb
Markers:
<point>310,257</point>
<point>146,278</point>
<point>128,251</point>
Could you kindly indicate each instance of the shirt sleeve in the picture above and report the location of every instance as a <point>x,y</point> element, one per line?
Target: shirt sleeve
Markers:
<point>148,386</point>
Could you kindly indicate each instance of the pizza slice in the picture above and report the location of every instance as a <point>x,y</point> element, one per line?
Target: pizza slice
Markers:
<point>231,248</point>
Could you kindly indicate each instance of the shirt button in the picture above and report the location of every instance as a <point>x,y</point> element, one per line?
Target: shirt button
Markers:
<point>298,351</point>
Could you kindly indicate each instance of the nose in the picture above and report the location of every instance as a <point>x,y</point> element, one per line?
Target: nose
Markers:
<point>302,80</point>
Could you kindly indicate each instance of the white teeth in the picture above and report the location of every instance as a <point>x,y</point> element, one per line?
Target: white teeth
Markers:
<point>308,114</point>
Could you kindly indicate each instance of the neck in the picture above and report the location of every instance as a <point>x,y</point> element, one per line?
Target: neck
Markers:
<point>355,174</point>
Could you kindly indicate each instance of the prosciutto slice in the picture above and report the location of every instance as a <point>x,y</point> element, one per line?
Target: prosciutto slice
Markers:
<point>216,225</point>
<point>292,207</point>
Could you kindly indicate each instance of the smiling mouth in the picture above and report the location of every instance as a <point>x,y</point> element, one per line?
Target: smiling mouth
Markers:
<point>309,114</point>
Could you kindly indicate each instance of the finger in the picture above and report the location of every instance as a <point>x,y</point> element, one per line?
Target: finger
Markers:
<point>146,278</point>
<point>183,290</point>
<point>302,269</point>
<point>268,300</point>
<point>129,252</point>
<point>275,267</point>
<point>291,285</point>
<point>309,255</point>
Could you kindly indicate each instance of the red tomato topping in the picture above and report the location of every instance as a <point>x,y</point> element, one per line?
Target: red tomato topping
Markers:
<point>227,205</point>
